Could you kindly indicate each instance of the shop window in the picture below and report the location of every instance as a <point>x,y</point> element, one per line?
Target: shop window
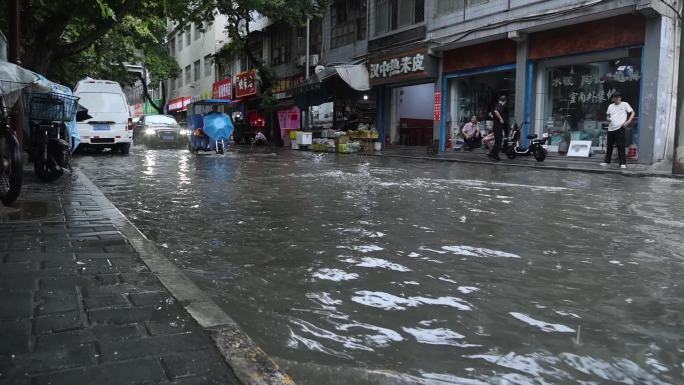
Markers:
<point>444,7</point>
<point>196,67</point>
<point>208,63</point>
<point>188,75</point>
<point>393,14</point>
<point>187,36</point>
<point>578,95</point>
<point>348,22</point>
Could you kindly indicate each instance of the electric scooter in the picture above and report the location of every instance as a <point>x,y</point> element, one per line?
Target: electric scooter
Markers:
<point>536,147</point>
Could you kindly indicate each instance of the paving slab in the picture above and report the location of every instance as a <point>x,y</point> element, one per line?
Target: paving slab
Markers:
<point>78,305</point>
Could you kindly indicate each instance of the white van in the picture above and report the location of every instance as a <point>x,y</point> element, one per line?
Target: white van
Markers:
<point>111,125</point>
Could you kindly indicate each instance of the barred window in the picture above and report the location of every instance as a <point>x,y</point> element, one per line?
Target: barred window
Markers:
<point>393,14</point>
<point>348,22</point>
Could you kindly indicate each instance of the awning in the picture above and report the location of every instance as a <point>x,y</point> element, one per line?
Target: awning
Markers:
<point>312,91</point>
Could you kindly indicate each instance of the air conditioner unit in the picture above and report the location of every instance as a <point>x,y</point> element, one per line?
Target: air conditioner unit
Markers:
<point>301,60</point>
<point>314,61</point>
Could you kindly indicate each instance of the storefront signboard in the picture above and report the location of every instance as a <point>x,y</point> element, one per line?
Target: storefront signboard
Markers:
<point>179,104</point>
<point>245,84</point>
<point>437,113</point>
<point>222,89</point>
<point>402,67</point>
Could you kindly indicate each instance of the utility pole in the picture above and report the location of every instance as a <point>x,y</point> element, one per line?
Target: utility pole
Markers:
<point>678,155</point>
<point>306,71</point>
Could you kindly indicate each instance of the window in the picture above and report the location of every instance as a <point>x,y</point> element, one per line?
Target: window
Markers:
<point>172,46</point>
<point>197,32</point>
<point>472,3</point>
<point>208,63</point>
<point>393,14</point>
<point>172,84</point>
<point>578,95</point>
<point>179,79</point>
<point>281,46</point>
<point>187,36</point>
<point>188,75</point>
<point>180,41</point>
<point>348,22</point>
<point>196,66</point>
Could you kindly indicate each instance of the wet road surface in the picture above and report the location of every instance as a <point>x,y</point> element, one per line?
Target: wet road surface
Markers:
<point>365,270</point>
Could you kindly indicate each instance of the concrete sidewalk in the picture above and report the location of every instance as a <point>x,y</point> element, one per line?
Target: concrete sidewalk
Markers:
<point>86,299</point>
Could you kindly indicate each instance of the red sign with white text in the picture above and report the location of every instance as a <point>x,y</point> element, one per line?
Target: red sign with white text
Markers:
<point>179,104</point>
<point>245,84</point>
<point>222,89</point>
<point>437,116</point>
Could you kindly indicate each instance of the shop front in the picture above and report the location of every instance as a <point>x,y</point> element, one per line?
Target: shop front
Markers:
<point>339,99</point>
<point>578,69</point>
<point>178,108</point>
<point>405,85</point>
<point>289,116</point>
<point>251,118</point>
<point>474,78</point>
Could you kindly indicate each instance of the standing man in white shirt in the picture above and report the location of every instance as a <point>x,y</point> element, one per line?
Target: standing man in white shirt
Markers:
<point>620,115</point>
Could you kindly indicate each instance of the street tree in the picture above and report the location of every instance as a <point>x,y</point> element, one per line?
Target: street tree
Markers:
<point>69,39</point>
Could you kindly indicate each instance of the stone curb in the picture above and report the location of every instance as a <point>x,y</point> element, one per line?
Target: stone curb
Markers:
<point>538,167</point>
<point>250,363</point>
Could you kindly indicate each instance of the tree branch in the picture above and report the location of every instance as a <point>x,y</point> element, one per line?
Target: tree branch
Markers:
<point>82,44</point>
<point>147,93</point>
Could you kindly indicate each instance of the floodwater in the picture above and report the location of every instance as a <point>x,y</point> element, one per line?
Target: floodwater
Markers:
<point>365,270</point>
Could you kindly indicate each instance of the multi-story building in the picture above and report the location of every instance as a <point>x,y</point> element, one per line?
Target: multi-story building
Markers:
<point>416,69</point>
<point>194,48</point>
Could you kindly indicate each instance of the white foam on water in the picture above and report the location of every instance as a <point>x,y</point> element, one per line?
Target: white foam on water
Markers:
<point>323,298</point>
<point>382,338</point>
<point>363,248</point>
<point>386,301</point>
<point>618,370</point>
<point>467,289</point>
<point>439,336</point>
<point>381,263</point>
<point>478,252</point>
<point>347,342</point>
<point>567,314</point>
<point>544,326</point>
<point>335,275</point>
<point>446,280</point>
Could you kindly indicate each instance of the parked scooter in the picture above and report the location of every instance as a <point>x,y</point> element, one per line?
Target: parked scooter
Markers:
<point>50,148</point>
<point>536,148</point>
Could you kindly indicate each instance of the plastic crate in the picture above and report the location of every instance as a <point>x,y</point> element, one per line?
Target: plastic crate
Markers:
<point>52,106</point>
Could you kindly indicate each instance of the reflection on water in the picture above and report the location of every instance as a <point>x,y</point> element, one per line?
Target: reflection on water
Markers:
<point>367,270</point>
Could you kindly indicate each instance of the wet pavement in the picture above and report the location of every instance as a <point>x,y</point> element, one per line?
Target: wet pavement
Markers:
<point>353,269</point>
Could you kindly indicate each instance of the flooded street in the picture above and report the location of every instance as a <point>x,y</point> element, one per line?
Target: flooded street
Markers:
<point>369,270</point>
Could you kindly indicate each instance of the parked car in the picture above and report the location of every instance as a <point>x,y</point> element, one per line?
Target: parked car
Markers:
<point>111,125</point>
<point>160,130</point>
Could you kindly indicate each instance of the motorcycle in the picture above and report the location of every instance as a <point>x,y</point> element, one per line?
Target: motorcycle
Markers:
<point>11,164</point>
<point>50,147</point>
<point>512,146</point>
